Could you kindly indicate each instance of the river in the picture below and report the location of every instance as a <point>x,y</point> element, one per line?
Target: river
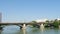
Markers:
<point>28,30</point>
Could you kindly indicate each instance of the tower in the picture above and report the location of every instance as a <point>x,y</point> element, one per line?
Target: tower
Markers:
<point>0,17</point>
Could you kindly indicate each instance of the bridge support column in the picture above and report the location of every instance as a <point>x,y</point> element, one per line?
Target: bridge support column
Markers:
<point>24,26</point>
<point>41,26</point>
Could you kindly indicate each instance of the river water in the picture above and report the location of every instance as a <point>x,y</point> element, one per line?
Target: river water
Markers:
<point>28,30</point>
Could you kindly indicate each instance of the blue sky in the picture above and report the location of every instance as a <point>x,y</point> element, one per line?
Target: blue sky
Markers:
<point>28,10</point>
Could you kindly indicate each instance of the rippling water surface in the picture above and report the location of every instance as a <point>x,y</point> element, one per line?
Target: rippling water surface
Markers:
<point>28,30</point>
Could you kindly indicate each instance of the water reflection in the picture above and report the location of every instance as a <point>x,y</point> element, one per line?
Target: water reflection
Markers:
<point>56,31</point>
<point>42,30</point>
<point>14,30</point>
<point>34,31</point>
<point>0,31</point>
<point>23,31</point>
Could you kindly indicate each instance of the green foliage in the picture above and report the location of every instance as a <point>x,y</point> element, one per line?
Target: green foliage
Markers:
<point>59,22</point>
<point>47,21</point>
<point>56,23</point>
<point>34,23</point>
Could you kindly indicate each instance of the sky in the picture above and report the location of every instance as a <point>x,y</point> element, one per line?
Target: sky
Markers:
<point>28,10</point>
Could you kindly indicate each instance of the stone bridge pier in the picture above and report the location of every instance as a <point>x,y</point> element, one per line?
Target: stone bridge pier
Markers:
<point>22,26</point>
<point>42,26</point>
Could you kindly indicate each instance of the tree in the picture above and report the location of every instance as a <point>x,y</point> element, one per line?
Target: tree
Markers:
<point>47,21</point>
<point>59,22</point>
<point>34,24</point>
<point>56,23</point>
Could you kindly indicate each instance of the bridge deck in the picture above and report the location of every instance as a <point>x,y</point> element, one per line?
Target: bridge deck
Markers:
<point>17,23</point>
<point>11,23</point>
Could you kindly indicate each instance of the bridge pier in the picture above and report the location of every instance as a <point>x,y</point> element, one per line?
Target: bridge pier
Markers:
<point>23,26</point>
<point>41,26</point>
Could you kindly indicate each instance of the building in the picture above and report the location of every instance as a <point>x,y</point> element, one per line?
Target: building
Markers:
<point>41,20</point>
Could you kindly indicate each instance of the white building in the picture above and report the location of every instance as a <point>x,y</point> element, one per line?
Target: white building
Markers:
<point>58,18</point>
<point>41,20</point>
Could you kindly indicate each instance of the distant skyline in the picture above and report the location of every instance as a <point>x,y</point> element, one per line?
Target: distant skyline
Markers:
<point>28,10</point>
